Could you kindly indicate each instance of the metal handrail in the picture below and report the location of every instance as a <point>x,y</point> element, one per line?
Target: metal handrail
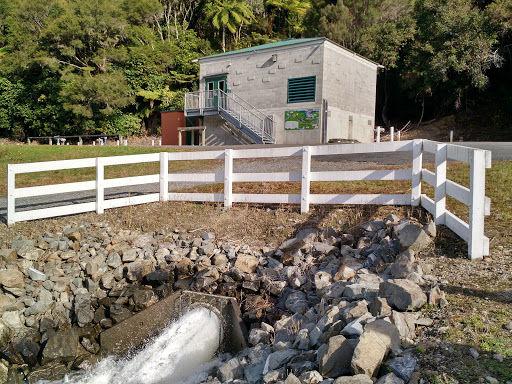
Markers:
<point>243,111</point>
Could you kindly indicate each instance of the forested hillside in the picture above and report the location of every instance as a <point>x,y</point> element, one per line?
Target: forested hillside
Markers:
<point>110,66</point>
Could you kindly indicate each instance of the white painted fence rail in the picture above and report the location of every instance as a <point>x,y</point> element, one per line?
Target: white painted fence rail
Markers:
<point>473,197</point>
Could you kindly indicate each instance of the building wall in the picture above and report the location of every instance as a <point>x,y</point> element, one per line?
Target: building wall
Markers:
<point>264,83</point>
<point>350,88</point>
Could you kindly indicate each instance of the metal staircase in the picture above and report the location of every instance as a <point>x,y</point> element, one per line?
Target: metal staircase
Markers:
<point>233,109</point>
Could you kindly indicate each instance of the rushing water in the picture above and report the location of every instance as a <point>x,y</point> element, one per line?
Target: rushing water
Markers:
<point>182,354</point>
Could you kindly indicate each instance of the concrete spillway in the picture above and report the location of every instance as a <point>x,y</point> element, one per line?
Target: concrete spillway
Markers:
<point>133,332</point>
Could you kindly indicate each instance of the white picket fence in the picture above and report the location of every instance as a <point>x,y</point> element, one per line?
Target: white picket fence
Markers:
<point>474,197</point>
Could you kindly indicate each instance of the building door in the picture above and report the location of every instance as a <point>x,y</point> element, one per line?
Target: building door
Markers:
<point>213,96</point>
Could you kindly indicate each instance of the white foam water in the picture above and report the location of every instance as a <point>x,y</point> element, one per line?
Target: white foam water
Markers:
<point>182,354</point>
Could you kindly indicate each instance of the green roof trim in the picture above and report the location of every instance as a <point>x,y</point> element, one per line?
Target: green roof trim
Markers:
<point>277,44</point>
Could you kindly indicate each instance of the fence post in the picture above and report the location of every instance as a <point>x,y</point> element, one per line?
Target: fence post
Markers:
<point>391,134</point>
<point>378,134</point>
<point>11,200</point>
<point>100,186</point>
<point>440,187</point>
<point>476,247</point>
<point>228,178</point>
<point>306,175</point>
<point>451,136</point>
<point>164,176</point>
<point>417,165</point>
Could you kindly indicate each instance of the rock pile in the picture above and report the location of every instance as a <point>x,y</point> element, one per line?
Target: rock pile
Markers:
<point>324,307</point>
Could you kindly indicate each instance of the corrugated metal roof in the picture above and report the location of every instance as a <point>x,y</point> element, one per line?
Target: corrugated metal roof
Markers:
<point>277,44</point>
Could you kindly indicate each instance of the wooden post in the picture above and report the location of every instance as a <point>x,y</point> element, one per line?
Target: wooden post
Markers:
<point>398,135</point>
<point>50,141</point>
<point>80,141</point>
<point>378,134</point>
<point>11,200</point>
<point>152,143</point>
<point>417,165</point>
<point>306,173</point>
<point>228,178</point>
<point>203,137</point>
<point>391,134</point>
<point>451,136</point>
<point>440,187</point>
<point>476,244</point>
<point>164,176</point>
<point>179,136</point>
<point>100,187</point>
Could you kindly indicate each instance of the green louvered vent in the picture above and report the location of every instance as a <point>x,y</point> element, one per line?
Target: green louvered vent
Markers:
<point>301,89</point>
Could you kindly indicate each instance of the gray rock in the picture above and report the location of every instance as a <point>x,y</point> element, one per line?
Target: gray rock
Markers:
<point>309,235</point>
<point>348,269</point>
<point>356,379</point>
<point>377,340</point>
<point>474,353</point>
<point>208,236</point>
<point>36,275</point>
<point>21,242</point>
<point>138,269</point>
<point>279,358</point>
<point>230,370</point>
<point>4,371</point>
<point>142,241</point>
<point>390,378</point>
<point>430,228</point>
<point>491,380</point>
<point>404,265</point>
<point>246,263</point>
<point>403,294</point>
<point>379,307</point>
<point>253,373</point>
<point>355,327</point>
<point>114,260</point>
<point>220,259</point>
<point>119,313</point>
<point>406,324</point>
<point>144,298</point>
<point>206,249</point>
<point>61,347</point>
<point>290,244</point>
<point>7,255</point>
<point>12,278</point>
<point>257,336</point>
<point>296,302</point>
<point>333,291</point>
<point>29,252</point>
<point>6,333</point>
<point>129,255</point>
<point>373,226</point>
<point>334,358</point>
<point>402,366</point>
<point>292,379</point>
<point>364,290</point>
<point>412,236</point>
<point>322,279</point>
<point>83,310</point>
<point>311,377</point>
<point>49,372</point>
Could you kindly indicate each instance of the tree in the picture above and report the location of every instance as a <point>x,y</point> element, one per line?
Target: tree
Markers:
<point>290,13</point>
<point>456,46</point>
<point>230,14</point>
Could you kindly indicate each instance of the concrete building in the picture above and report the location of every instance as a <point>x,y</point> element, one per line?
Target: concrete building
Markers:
<point>296,91</point>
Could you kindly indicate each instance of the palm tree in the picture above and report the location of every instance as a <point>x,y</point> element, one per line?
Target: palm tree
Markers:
<point>287,9</point>
<point>229,14</point>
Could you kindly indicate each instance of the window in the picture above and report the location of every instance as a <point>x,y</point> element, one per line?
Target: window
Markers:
<point>301,89</point>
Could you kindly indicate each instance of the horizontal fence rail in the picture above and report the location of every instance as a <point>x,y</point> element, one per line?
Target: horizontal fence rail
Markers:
<point>474,196</point>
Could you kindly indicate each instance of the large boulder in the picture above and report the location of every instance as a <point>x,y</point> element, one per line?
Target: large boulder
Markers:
<point>334,357</point>
<point>411,236</point>
<point>246,263</point>
<point>61,347</point>
<point>12,278</point>
<point>378,339</point>
<point>403,294</point>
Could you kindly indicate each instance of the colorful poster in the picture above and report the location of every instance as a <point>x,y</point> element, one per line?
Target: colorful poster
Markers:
<point>302,119</point>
